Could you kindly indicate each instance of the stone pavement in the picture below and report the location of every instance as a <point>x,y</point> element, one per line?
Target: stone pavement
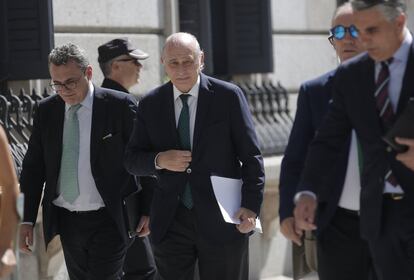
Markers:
<point>310,277</point>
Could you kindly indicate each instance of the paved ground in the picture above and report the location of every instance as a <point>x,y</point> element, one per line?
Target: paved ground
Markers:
<point>310,277</point>
<point>62,275</point>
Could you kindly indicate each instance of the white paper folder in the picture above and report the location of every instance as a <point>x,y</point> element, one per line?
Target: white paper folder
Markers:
<point>228,196</point>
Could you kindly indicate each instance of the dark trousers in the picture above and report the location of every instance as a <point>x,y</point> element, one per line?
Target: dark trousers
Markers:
<point>92,245</point>
<point>342,254</point>
<point>139,261</point>
<point>393,250</point>
<point>182,246</point>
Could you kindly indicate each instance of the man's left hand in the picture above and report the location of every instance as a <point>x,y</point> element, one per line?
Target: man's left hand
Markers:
<point>143,226</point>
<point>247,220</point>
<point>407,158</point>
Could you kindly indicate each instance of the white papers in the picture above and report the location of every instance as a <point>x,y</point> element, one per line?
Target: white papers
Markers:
<point>228,196</point>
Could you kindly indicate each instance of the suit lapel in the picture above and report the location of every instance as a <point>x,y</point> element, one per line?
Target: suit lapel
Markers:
<point>407,88</point>
<point>56,132</point>
<point>205,96</point>
<point>368,86</point>
<point>99,120</point>
<point>167,109</point>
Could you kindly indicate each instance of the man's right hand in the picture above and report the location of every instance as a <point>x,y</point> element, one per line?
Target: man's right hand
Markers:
<point>174,160</point>
<point>305,213</point>
<point>287,227</point>
<point>26,238</point>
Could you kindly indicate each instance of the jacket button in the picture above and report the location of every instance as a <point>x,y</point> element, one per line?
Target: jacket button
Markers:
<point>188,170</point>
<point>389,149</point>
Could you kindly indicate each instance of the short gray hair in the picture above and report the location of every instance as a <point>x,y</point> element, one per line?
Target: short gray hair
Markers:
<point>63,54</point>
<point>341,9</point>
<point>106,68</point>
<point>391,9</point>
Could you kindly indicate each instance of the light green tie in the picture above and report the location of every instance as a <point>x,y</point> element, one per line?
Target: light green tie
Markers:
<point>68,177</point>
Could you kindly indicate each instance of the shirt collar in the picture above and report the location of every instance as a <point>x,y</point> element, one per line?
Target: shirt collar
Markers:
<point>401,55</point>
<point>193,91</point>
<point>88,100</point>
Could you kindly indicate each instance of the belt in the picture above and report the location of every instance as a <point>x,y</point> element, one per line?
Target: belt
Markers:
<point>84,212</point>
<point>393,196</point>
<point>348,211</point>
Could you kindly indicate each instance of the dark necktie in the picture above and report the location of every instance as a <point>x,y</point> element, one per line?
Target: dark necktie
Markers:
<point>384,107</point>
<point>68,177</point>
<point>381,94</point>
<point>185,143</point>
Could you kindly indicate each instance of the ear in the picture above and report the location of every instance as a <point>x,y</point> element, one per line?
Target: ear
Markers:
<point>400,21</point>
<point>201,60</point>
<point>88,72</point>
<point>114,65</point>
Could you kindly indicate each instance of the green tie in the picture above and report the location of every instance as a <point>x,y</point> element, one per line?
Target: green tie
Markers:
<point>68,177</point>
<point>185,142</point>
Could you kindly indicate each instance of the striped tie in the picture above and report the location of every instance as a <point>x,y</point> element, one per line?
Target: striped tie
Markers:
<point>384,107</point>
<point>68,177</point>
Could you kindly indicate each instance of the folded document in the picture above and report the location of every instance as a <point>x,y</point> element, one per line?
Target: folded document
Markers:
<point>228,196</point>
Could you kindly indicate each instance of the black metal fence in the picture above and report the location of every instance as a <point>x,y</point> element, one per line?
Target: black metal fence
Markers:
<point>269,105</point>
<point>16,116</point>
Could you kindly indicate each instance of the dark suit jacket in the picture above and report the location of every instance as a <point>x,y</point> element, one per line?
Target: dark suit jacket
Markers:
<point>145,184</point>
<point>354,106</point>
<point>312,106</point>
<point>112,112</point>
<point>224,144</point>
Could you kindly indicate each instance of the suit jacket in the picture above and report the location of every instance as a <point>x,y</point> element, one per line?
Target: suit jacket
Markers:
<point>145,184</point>
<point>224,144</point>
<point>354,106</point>
<point>112,112</point>
<point>312,106</point>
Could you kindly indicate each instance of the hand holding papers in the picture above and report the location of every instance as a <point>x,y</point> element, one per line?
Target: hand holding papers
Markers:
<point>228,196</point>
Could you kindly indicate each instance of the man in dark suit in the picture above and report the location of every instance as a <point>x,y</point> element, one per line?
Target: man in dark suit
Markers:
<point>342,254</point>
<point>370,92</point>
<point>119,62</point>
<point>187,130</point>
<point>77,149</point>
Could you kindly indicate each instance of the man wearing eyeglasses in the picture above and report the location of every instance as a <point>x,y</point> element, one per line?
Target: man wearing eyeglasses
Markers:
<point>75,157</point>
<point>342,254</point>
<point>120,65</point>
<point>370,94</point>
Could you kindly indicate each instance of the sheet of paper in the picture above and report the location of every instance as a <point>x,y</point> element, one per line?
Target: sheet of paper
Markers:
<point>228,196</point>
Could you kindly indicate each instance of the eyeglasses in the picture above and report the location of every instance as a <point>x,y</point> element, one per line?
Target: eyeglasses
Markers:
<point>69,85</point>
<point>135,60</point>
<point>338,32</point>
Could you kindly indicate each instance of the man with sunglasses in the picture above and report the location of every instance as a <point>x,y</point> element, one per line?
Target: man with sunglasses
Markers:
<point>370,93</point>
<point>75,158</point>
<point>119,62</point>
<point>342,254</point>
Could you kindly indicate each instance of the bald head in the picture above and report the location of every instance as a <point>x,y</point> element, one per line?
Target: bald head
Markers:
<point>183,60</point>
<point>182,40</point>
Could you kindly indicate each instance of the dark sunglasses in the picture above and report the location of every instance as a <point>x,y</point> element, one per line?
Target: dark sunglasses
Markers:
<point>338,32</point>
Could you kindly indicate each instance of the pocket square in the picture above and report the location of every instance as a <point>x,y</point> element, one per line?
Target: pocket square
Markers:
<point>107,136</point>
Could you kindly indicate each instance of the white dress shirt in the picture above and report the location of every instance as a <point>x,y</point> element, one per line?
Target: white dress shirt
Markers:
<point>397,70</point>
<point>192,105</point>
<point>352,186</point>
<point>89,197</point>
